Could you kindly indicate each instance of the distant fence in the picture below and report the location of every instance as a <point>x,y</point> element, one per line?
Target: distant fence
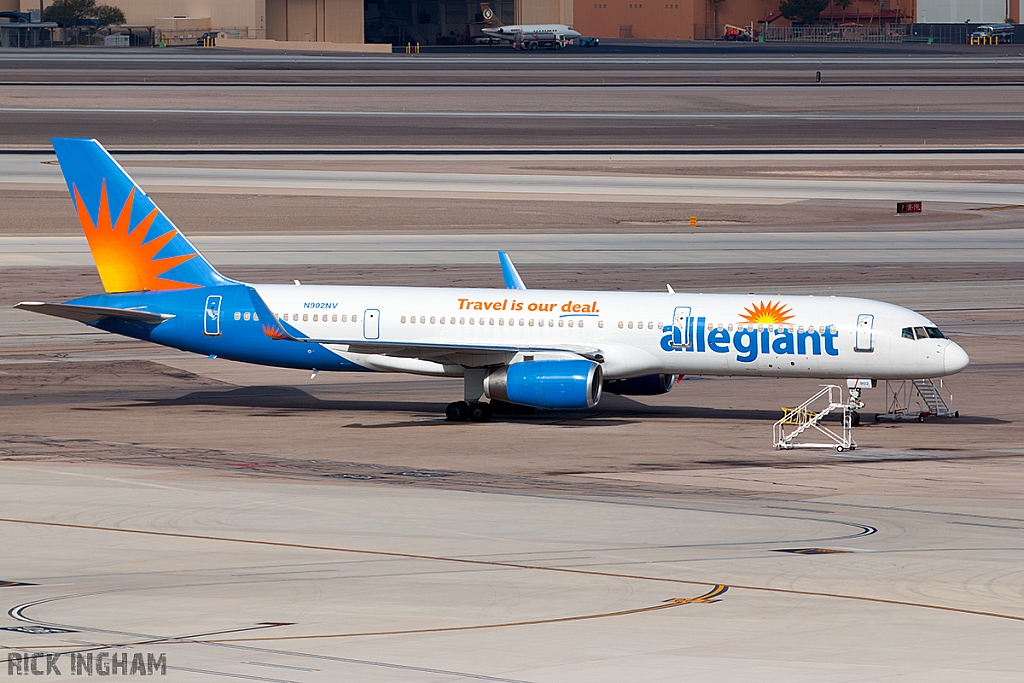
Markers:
<point>950,33</point>
<point>895,33</point>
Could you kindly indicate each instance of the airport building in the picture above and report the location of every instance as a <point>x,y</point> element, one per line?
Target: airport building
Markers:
<point>433,22</point>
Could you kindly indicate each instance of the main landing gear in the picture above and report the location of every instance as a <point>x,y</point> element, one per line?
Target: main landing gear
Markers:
<point>475,411</point>
<point>472,408</point>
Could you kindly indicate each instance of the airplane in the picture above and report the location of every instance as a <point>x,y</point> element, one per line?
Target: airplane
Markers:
<point>494,29</point>
<point>517,349</point>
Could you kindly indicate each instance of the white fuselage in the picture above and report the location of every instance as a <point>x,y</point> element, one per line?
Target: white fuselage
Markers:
<point>632,333</point>
<point>509,32</point>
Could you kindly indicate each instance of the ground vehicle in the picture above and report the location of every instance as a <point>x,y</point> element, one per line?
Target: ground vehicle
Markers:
<point>589,42</point>
<point>1004,32</point>
<point>737,32</point>
<point>539,39</point>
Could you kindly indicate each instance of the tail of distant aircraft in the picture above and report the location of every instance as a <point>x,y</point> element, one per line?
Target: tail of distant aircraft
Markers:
<point>489,15</point>
<point>135,246</point>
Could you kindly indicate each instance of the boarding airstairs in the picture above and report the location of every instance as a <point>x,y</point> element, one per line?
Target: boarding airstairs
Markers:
<point>916,400</point>
<point>808,417</point>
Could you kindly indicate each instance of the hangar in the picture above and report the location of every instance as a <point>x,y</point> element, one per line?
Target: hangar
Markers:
<point>453,22</point>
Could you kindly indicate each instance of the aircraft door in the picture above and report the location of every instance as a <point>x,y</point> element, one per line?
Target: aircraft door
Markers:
<point>682,327</point>
<point>211,316</point>
<point>865,342</point>
<point>371,324</point>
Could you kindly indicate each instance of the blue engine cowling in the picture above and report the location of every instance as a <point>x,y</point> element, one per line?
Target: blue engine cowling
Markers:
<point>648,385</point>
<point>556,384</point>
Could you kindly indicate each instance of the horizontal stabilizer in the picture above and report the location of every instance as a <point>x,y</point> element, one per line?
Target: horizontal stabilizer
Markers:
<point>92,314</point>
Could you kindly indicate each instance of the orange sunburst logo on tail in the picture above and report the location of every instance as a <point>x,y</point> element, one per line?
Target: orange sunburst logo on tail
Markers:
<point>124,262</point>
<point>767,313</point>
<point>273,332</point>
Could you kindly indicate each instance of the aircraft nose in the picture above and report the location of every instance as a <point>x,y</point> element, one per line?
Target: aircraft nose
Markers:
<point>955,358</point>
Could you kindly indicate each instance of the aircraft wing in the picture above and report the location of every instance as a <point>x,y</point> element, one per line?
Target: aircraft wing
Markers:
<point>509,273</point>
<point>92,314</point>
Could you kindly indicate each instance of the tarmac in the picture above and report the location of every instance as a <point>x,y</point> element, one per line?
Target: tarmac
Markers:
<point>252,523</point>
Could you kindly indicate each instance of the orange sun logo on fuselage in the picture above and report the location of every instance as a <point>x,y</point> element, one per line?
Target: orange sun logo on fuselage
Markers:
<point>767,314</point>
<point>124,262</point>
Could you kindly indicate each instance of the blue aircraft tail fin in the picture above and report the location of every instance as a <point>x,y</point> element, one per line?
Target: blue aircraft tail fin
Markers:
<point>135,246</point>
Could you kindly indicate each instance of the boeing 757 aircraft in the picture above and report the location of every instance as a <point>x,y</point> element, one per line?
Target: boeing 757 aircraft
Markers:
<point>541,349</point>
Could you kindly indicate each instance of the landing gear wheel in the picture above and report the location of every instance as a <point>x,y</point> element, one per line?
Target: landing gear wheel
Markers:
<point>854,418</point>
<point>457,411</point>
<point>480,412</point>
<point>839,449</point>
<point>920,418</point>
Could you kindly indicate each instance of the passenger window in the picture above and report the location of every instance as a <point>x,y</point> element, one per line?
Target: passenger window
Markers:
<point>579,324</point>
<point>561,323</point>
<point>432,318</point>
<point>481,321</point>
<point>255,317</point>
<point>650,325</point>
<point>472,321</point>
<point>730,327</point>
<point>630,325</point>
<point>403,319</point>
<point>238,315</point>
<point>620,324</point>
<point>491,321</point>
<point>521,322</point>
<point>920,332</point>
<point>334,318</point>
<point>354,318</point>
<point>908,333</point>
<point>305,317</point>
<point>570,323</point>
<point>551,323</point>
<point>412,320</point>
<point>600,323</point>
<point>442,320</point>
<point>531,322</point>
<point>315,317</point>
<point>285,317</point>
<point>462,321</point>
<point>501,321</point>
<point>451,321</point>
<point>423,320</point>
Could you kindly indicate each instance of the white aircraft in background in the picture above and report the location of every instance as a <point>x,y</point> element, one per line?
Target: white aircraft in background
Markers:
<point>494,28</point>
<point>514,347</point>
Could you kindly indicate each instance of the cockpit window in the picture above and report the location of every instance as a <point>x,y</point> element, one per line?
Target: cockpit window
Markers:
<point>922,333</point>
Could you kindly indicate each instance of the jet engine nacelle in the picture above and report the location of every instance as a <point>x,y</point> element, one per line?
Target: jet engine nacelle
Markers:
<point>648,385</point>
<point>556,384</point>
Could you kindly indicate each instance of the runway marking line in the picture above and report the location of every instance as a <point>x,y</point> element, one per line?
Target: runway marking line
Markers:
<point>516,565</point>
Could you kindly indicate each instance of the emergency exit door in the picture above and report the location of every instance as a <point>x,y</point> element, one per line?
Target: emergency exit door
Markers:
<point>682,327</point>
<point>371,324</point>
